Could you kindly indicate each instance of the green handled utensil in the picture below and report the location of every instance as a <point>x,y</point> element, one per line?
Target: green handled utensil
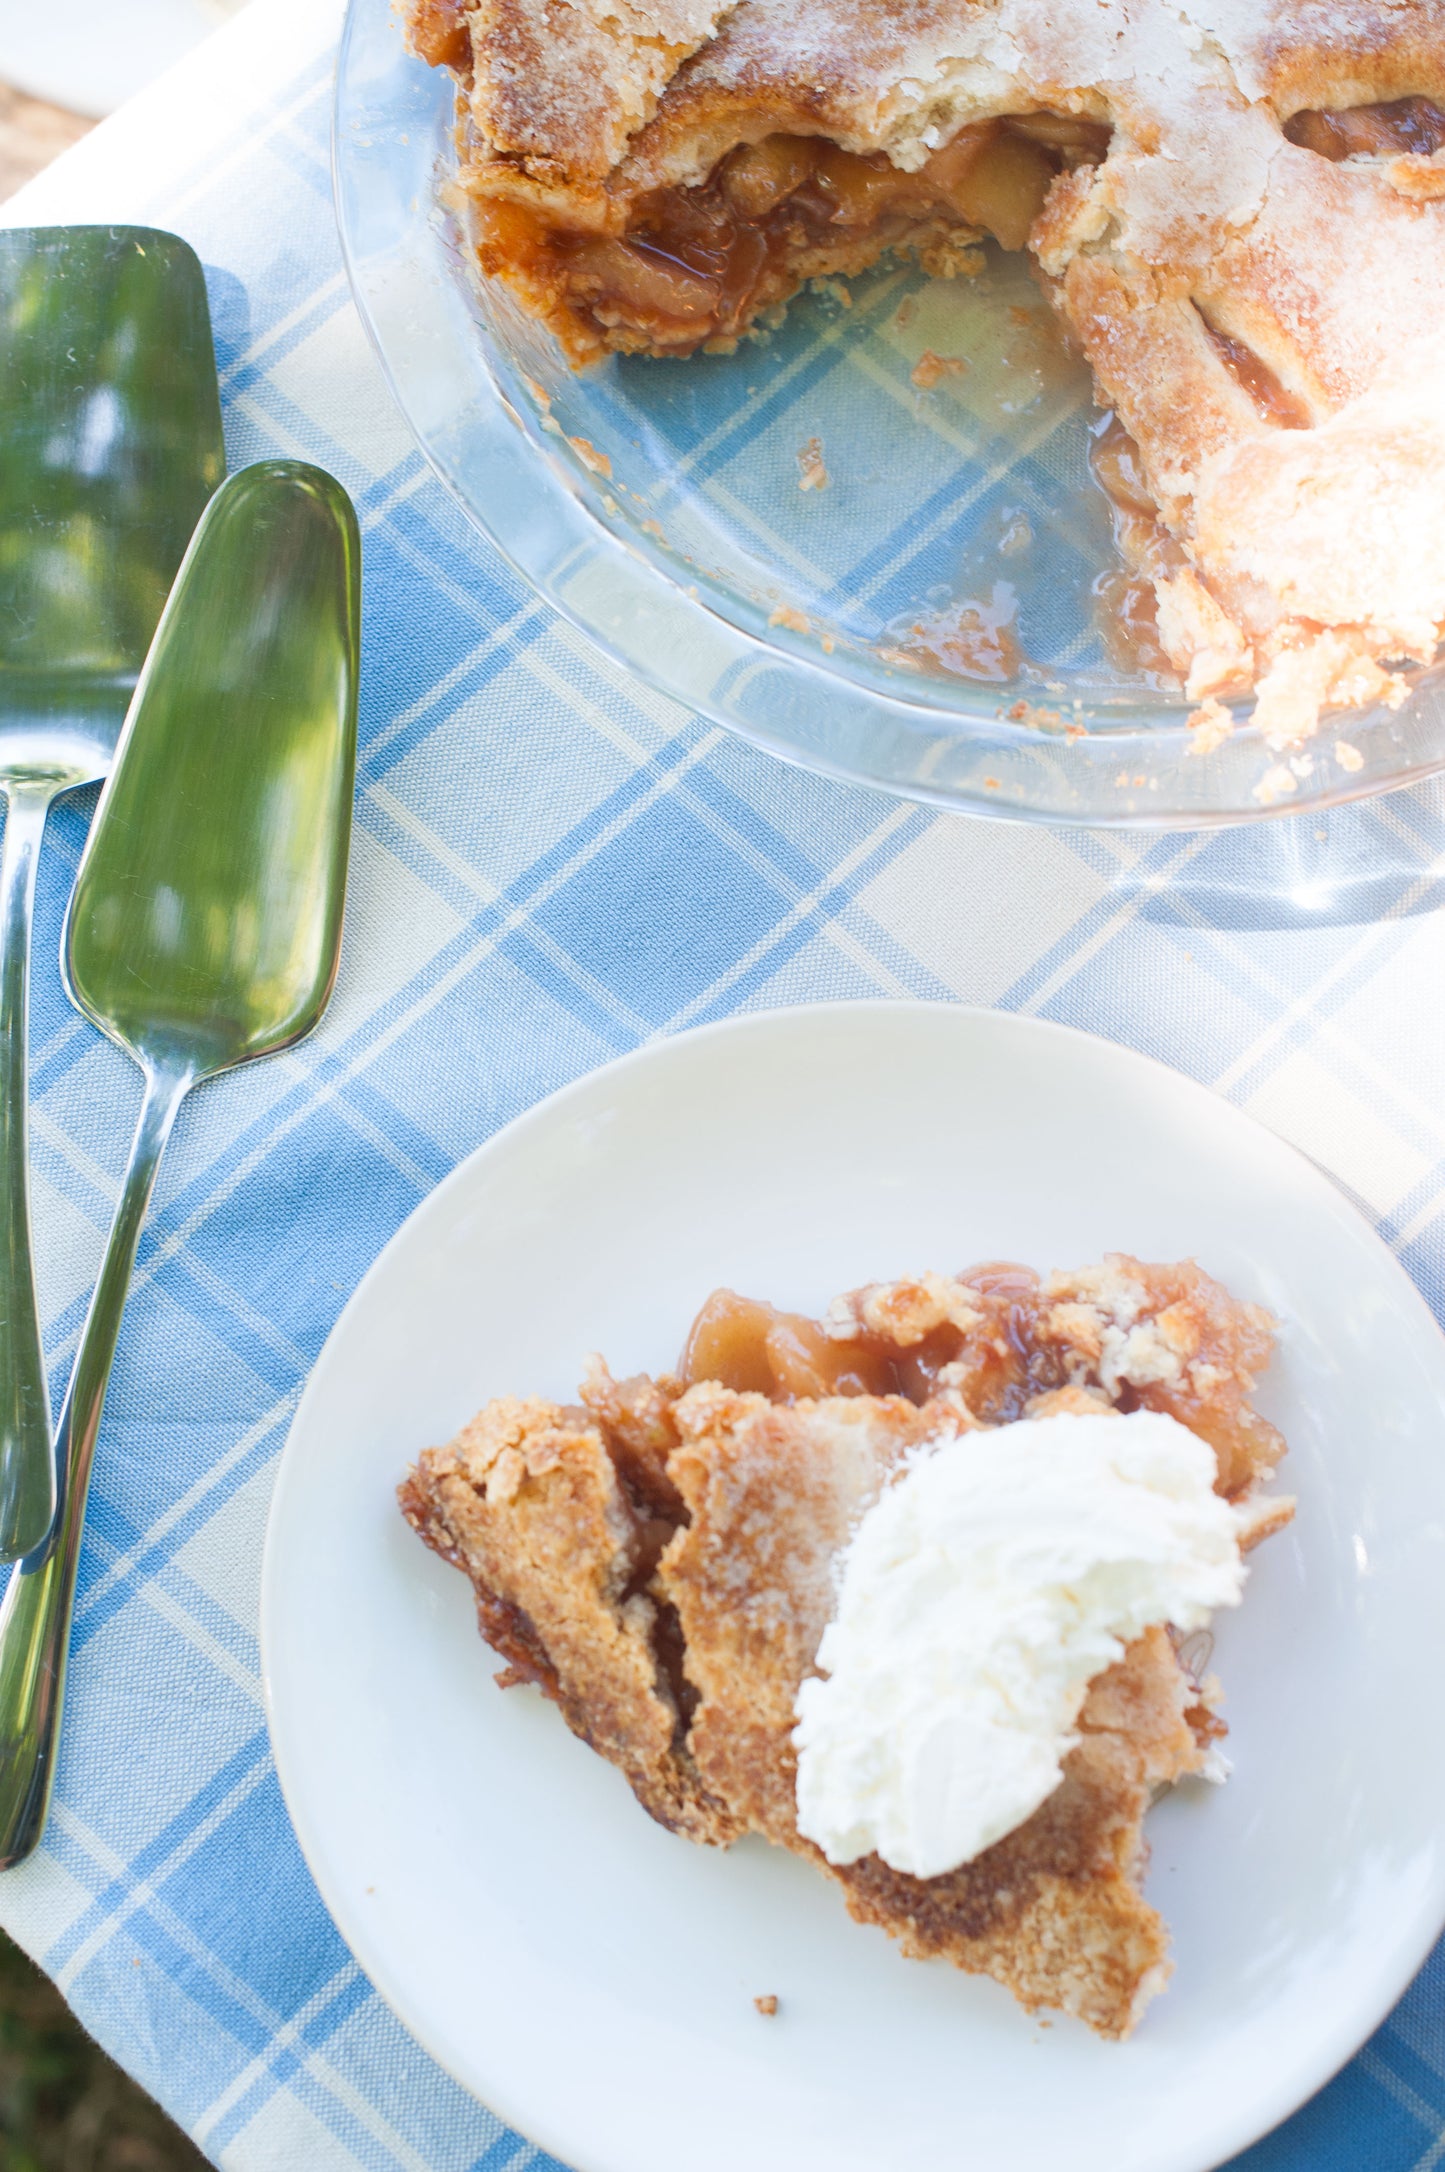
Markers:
<point>204,930</point>
<point>110,445</point>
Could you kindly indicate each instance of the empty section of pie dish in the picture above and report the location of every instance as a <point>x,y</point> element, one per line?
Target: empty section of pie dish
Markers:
<point>802,539</point>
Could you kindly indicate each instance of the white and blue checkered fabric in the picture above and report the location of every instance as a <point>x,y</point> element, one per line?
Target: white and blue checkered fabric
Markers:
<point>551,865</point>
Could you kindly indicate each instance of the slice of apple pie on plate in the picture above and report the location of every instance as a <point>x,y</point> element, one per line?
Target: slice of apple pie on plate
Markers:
<point>920,1591</point>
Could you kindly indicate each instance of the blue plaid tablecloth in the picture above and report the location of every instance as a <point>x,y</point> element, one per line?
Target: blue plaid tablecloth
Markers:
<point>551,865</point>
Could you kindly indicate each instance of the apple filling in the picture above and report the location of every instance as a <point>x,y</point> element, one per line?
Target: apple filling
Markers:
<point>696,266</point>
<point>753,1348</point>
<point>1405,127</point>
<point>1274,400</point>
<point>438,30</point>
<point>1002,1340</point>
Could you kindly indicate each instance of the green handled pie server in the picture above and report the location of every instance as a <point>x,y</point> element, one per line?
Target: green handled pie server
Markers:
<point>204,930</point>
<point>110,445</point>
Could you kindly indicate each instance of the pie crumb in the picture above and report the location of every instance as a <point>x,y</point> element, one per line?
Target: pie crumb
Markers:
<point>1209,726</point>
<point>812,473</point>
<point>930,369</point>
<point>767,2005</point>
<point>1419,175</point>
<point>785,615</point>
<point>1348,757</point>
<point>597,462</point>
<point>1276,783</point>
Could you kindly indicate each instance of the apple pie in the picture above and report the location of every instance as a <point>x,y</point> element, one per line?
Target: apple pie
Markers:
<point>1238,210</point>
<point>660,1560</point>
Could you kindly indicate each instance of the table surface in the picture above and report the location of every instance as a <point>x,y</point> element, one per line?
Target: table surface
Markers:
<point>551,865</point>
<point>31,135</point>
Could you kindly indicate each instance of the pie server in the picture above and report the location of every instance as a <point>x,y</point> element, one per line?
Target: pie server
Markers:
<point>110,445</point>
<point>204,931</point>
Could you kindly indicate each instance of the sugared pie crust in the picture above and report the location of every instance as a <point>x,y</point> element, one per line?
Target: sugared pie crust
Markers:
<point>1238,208</point>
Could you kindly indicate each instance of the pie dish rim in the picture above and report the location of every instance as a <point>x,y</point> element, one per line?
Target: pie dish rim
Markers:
<point>925,741</point>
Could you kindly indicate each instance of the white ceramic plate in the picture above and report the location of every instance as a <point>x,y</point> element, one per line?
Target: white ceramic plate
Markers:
<point>591,1977</point>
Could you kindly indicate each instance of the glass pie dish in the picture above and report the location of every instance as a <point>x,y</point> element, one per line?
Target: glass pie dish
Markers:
<point>787,539</point>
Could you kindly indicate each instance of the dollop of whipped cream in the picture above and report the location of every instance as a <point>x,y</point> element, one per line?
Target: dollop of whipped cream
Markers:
<point>979,1597</point>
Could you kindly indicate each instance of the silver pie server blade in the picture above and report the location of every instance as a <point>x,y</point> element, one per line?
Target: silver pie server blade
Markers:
<point>110,446</point>
<point>204,931</point>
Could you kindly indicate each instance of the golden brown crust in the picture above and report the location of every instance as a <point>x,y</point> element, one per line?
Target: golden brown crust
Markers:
<point>771,1497</point>
<point>636,1418</point>
<point>1258,295</point>
<point>526,1501</point>
<point>661,1564</point>
<point>569,82</point>
<point>1054,1911</point>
